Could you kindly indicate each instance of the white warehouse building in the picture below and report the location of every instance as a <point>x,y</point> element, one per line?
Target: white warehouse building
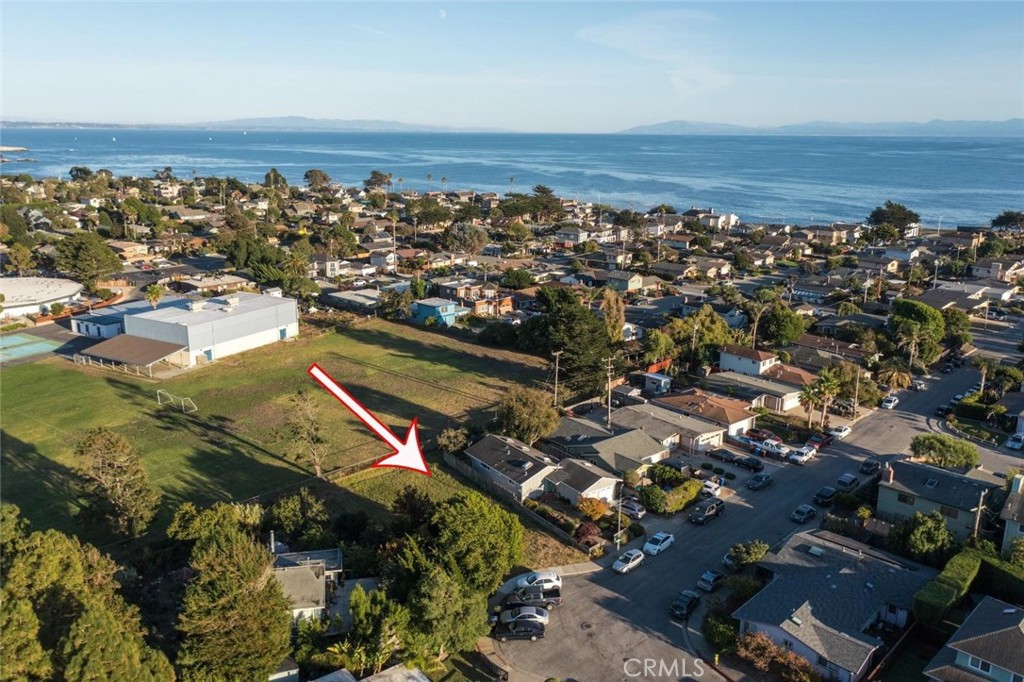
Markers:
<point>209,329</point>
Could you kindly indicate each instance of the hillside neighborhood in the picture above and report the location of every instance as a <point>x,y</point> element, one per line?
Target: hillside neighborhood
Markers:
<point>596,386</point>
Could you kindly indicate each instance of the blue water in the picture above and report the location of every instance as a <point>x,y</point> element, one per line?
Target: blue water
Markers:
<point>794,179</point>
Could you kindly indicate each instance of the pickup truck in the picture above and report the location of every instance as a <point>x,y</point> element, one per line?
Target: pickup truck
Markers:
<point>528,597</point>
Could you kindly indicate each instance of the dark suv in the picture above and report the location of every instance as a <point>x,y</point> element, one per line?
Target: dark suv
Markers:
<point>750,463</point>
<point>722,455</point>
<point>707,510</point>
<point>825,496</point>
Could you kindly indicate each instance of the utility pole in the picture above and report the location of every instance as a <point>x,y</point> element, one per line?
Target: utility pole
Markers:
<point>609,385</point>
<point>557,354</point>
<point>618,525</point>
<point>977,515</point>
<point>693,342</point>
<point>856,393</point>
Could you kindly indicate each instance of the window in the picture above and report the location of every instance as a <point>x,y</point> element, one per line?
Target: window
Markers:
<point>905,499</point>
<point>950,512</point>
<point>1017,678</point>
<point>978,664</point>
<point>822,661</point>
<point>788,644</point>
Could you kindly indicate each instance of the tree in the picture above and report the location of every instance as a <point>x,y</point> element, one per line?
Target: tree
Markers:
<point>897,215</point>
<point>827,386</point>
<point>742,261</point>
<point>923,538</point>
<point>153,293</point>
<point>87,258</point>
<point>526,414</point>
<point>895,374</point>
<point>657,346</point>
<point>570,327</point>
<point>747,553</point>
<point>517,279</point>
<point>847,308</point>
<point>447,615</point>
<point>758,649</point>
<point>613,309</point>
<point>80,173</point>
<point>235,619</point>
<point>316,179</point>
<point>379,626</point>
<point>958,326</point>
<point>984,364</point>
<point>1016,556</point>
<point>809,400</point>
<point>478,539</point>
<point>307,431</point>
<point>593,508</point>
<point>19,259</point>
<point>762,301</point>
<point>699,336</point>
<point>917,327</point>
<point>99,647</point>
<point>274,180</point>
<point>942,450</point>
<point>395,305</point>
<point>463,237</point>
<point>783,326</point>
<point>299,513</point>
<point>453,440</point>
<point>1009,219</point>
<point>653,498</point>
<point>24,656</point>
<point>117,486</point>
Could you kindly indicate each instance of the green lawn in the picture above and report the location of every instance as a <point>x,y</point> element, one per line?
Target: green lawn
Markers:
<point>236,445</point>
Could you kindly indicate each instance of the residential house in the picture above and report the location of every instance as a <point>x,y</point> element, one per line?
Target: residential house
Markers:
<point>362,301</point>
<point>574,479</point>
<point>711,268</point>
<point>329,267</point>
<point>735,416</point>
<point>832,235</point>
<point>571,235</point>
<point>614,451</point>
<point>680,241</point>
<point>789,374</point>
<point>940,299</point>
<point>213,283</point>
<point>909,487</point>
<point>992,289</point>
<point>828,600</point>
<point>757,391</point>
<point>836,325</point>
<point>669,428</point>
<point>513,466</point>
<point>730,312</point>
<point>833,348</point>
<point>656,384</point>
<point>673,271</point>
<point>308,580</point>
<point>442,310</point>
<point>625,281</point>
<point>288,671</point>
<point>1001,269</point>
<point>129,251</point>
<point>385,261</point>
<point>987,647</point>
<point>878,263</point>
<point>749,361</point>
<point>1014,415</point>
<point>1013,513</point>
<point>717,221</point>
<point>807,292</point>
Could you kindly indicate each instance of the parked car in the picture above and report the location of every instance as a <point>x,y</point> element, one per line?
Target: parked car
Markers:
<point>658,543</point>
<point>820,440</point>
<point>528,596</point>
<point>1016,441</point>
<point>803,513</point>
<point>711,580</point>
<point>802,455</point>
<point>540,580</point>
<point>918,386</point>
<point>760,481</point>
<point>870,466</point>
<point>710,489</point>
<point>519,613</point>
<point>722,455</point>
<point>633,509</point>
<point>824,497</point>
<point>775,449</point>
<point>943,410</point>
<point>847,483</point>
<point>519,630</point>
<point>890,402</point>
<point>750,463</point>
<point>629,560</point>
<point>729,561</point>
<point>761,435</point>
<point>957,398</point>
<point>840,432</point>
<point>684,604</point>
<point>707,510</point>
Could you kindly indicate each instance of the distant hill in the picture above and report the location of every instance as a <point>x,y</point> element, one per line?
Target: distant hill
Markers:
<point>282,123</point>
<point>1013,127</point>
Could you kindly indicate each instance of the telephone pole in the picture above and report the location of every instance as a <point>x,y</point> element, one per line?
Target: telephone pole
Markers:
<point>609,385</point>
<point>557,354</point>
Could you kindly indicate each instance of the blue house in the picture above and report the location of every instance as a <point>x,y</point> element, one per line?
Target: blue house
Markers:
<point>443,311</point>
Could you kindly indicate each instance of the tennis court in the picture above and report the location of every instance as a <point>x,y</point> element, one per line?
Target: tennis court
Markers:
<point>17,346</point>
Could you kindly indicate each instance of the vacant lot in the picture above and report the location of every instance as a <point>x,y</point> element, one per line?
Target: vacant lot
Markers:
<point>236,445</point>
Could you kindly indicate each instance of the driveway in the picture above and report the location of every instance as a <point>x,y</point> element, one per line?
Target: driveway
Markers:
<point>609,621</point>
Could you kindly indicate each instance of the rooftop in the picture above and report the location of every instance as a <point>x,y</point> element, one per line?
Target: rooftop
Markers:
<point>718,409</point>
<point>993,632</point>
<point>580,476</point>
<point>660,423</point>
<point>20,291</point>
<point>213,309</point>
<point>749,353</point>
<point>747,385</point>
<point>944,487</point>
<point>512,458</point>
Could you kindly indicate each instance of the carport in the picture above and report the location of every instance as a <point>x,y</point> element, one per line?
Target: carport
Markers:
<point>130,354</point>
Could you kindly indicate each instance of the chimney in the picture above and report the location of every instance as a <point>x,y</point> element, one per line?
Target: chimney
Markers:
<point>887,473</point>
<point>1017,485</point>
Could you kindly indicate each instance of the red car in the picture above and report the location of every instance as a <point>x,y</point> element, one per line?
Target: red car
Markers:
<point>820,440</point>
<point>761,435</point>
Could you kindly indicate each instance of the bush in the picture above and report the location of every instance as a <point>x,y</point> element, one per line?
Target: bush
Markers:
<point>718,471</point>
<point>933,601</point>
<point>12,327</point>
<point>653,499</point>
<point>56,309</point>
<point>707,466</point>
<point>663,475</point>
<point>592,508</point>
<point>720,633</point>
<point>105,294</point>
<point>587,530</point>
<point>1001,579</point>
<point>531,504</point>
<point>960,572</point>
<point>683,496</point>
<point>610,523</point>
<point>971,407</point>
<point>847,501</point>
<point>636,530</point>
<point>757,649</point>
<point>730,476</point>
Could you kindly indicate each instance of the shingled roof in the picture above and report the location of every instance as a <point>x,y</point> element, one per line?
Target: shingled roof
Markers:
<point>993,632</point>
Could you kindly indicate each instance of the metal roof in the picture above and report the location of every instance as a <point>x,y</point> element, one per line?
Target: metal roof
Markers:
<point>133,350</point>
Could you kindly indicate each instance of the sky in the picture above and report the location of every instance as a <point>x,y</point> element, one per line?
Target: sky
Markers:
<point>586,67</point>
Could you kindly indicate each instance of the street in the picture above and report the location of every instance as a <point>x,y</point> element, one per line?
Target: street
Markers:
<point>609,619</point>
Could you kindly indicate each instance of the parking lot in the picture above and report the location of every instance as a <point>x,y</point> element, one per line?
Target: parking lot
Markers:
<point>608,619</point>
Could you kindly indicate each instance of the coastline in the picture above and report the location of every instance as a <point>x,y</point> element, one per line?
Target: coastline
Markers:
<point>13,149</point>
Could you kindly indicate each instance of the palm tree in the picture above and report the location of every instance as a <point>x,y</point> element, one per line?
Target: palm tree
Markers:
<point>430,178</point>
<point>984,364</point>
<point>153,293</point>
<point>809,400</point>
<point>827,386</point>
<point>908,335</point>
<point>444,184</point>
<point>401,184</point>
<point>895,374</point>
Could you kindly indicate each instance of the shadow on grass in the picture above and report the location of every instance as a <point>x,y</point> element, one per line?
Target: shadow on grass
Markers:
<point>42,488</point>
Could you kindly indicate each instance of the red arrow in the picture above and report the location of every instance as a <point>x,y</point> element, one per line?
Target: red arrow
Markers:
<point>405,455</point>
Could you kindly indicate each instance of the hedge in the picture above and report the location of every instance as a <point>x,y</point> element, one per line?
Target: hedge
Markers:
<point>682,496</point>
<point>971,408</point>
<point>960,572</point>
<point>933,601</point>
<point>1001,579</point>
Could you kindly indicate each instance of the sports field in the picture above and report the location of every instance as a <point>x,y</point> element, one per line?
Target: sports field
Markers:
<point>236,445</point>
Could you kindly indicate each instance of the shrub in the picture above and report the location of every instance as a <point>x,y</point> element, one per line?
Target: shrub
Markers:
<point>730,476</point>
<point>653,499</point>
<point>13,326</point>
<point>742,588</point>
<point>719,470</point>
<point>636,530</point>
<point>105,294</point>
<point>792,667</point>
<point>758,649</point>
<point>531,504</point>
<point>587,530</point>
<point>720,632</point>
<point>592,508</point>
<point>933,601</point>
<point>707,466</point>
<point>960,572</point>
<point>56,309</point>
<point>631,477</point>
<point>683,496</point>
<point>663,475</point>
<point>847,501</point>
<point>744,553</point>
<point>1001,579</point>
<point>610,523</point>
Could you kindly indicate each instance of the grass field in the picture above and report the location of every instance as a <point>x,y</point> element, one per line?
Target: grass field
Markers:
<point>236,445</point>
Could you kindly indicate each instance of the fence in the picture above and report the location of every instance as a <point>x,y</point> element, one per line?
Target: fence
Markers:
<point>466,471</point>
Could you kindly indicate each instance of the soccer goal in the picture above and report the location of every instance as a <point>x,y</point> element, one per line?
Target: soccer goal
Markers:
<point>165,398</point>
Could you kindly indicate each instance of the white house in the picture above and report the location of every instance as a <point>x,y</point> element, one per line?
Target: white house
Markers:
<point>743,360</point>
<point>513,466</point>
<point>575,479</point>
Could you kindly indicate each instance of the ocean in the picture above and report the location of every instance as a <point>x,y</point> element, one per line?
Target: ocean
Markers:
<point>964,181</point>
